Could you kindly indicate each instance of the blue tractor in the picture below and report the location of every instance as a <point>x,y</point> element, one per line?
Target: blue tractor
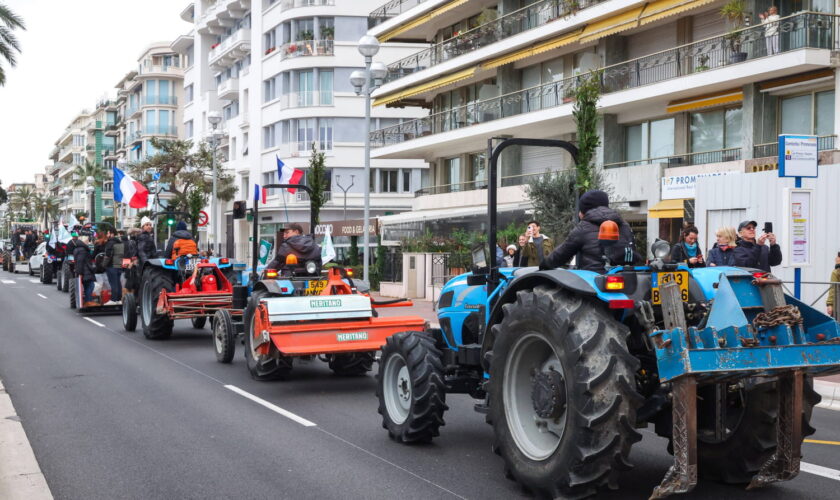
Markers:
<point>568,364</point>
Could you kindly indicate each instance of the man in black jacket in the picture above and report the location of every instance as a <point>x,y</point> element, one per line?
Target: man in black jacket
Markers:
<point>180,233</point>
<point>583,239</point>
<point>146,247</point>
<point>300,245</point>
<point>84,269</point>
<point>115,251</point>
<point>752,252</point>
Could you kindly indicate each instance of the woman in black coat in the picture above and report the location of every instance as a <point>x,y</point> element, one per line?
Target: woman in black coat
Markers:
<point>688,251</point>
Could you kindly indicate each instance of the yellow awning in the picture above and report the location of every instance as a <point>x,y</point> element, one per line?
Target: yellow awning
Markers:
<point>661,9</point>
<point>705,101</point>
<point>611,25</point>
<point>667,209</point>
<point>420,20</point>
<point>425,87</point>
<point>554,43</point>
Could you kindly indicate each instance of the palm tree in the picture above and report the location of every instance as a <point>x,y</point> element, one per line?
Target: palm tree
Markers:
<point>81,174</point>
<point>9,21</point>
<point>22,201</point>
<point>46,206</point>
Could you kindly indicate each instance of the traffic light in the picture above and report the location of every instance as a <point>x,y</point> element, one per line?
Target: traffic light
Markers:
<point>239,209</point>
<point>170,221</point>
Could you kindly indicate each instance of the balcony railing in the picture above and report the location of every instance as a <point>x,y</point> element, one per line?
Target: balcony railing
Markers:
<point>160,100</point>
<point>170,68</point>
<point>135,136</point>
<point>306,99</point>
<point>824,143</point>
<point>389,10</point>
<point>238,44</point>
<point>511,24</point>
<point>132,111</point>
<point>682,160</point>
<point>293,4</point>
<point>160,130</point>
<point>805,30</point>
<point>303,48</point>
<point>301,195</point>
<point>508,180</point>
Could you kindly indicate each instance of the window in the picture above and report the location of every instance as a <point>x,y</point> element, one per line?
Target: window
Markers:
<point>325,133</point>
<point>716,130</point>
<point>245,144</point>
<point>77,159</point>
<point>478,170</point>
<point>270,135</point>
<point>269,89</point>
<point>388,181</point>
<point>232,148</point>
<point>325,87</point>
<point>244,187</point>
<point>305,133</point>
<point>452,171</point>
<point>269,41</point>
<point>78,140</point>
<point>231,110</point>
<point>406,187</point>
<point>305,82</point>
<point>809,114</point>
<point>269,177</point>
<point>188,93</point>
<point>653,139</point>
<point>188,129</point>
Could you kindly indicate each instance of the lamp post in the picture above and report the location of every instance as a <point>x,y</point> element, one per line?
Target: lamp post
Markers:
<point>365,82</point>
<point>91,191</point>
<point>344,190</point>
<point>214,118</point>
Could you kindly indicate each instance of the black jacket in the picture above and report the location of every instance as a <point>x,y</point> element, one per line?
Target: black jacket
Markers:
<point>115,251</point>
<point>583,242</point>
<point>679,254</point>
<point>749,254</point>
<point>146,248</point>
<point>720,257</point>
<point>181,234</point>
<point>83,262</point>
<point>302,246</point>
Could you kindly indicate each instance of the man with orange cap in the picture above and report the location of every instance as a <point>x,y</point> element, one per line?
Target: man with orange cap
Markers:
<point>583,243</point>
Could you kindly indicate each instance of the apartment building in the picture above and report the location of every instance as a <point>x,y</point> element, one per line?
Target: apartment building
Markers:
<point>685,92</point>
<point>68,153</point>
<point>278,72</point>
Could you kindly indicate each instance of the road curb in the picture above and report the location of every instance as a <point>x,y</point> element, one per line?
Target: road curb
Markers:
<point>20,476</point>
<point>830,392</point>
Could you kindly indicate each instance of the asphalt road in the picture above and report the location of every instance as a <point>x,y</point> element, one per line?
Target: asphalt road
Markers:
<point>112,415</point>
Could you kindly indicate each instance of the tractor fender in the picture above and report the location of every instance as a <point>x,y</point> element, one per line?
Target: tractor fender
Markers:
<point>560,278</point>
<point>275,287</point>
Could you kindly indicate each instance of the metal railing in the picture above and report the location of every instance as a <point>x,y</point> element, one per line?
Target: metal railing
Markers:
<point>458,187</point>
<point>392,271</point>
<point>681,160</point>
<point>169,68</point>
<point>303,48</point>
<point>307,98</point>
<point>506,26</point>
<point>447,265</point>
<point>293,4</point>
<point>166,100</point>
<point>795,32</point>
<point>389,10</point>
<point>238,38</point>
<point>824,143</point>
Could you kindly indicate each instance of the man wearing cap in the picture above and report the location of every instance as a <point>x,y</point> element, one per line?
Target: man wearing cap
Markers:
<point>754,253</point>
<point>146,247</point>
<point>295,243</point>
<point>583,239</point>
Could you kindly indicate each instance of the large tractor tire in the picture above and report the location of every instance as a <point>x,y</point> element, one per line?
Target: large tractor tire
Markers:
<point>129,312</point>
<point>47,274</point>
<point>352,364</point>
<point>561,394</point>
<point>199,322</point>
<point>66,275</point>
<point>271,366</point>
<point>155,326</point>
<point>59,279</point>
<point>224,336</point>
<point>410,387</point>
<point>72,291</point>
<point>751,418</point>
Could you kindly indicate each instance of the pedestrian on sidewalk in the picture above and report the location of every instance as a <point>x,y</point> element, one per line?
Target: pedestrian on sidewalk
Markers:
<point>832,291</point>
<point>539,246</point>
<point>722,254</point>
<point>688,251</point>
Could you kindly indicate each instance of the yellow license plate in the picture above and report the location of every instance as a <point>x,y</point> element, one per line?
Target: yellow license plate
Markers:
<point>315,287</point>
<point>659,279</point>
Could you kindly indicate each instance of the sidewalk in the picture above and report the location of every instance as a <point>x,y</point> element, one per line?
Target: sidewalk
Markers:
<point>20,476</point>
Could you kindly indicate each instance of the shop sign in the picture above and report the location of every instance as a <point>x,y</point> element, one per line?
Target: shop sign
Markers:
<point>679,187</point>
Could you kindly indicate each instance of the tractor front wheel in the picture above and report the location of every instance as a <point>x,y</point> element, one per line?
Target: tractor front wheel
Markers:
<point>352,364</point>
<point>561,394</point>
<point>129,312</point>
<point>224,336</point>
<point>271,366</point>
<point>155,326</point>
<point>199,322</point>
<point>410,387</point>
<point>47,274</point>
<point>72,291</point>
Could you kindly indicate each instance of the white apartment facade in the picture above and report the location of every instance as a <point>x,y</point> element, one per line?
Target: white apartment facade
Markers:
<point>278,72</point>
<point>68,153</point>
<point>679,96</point>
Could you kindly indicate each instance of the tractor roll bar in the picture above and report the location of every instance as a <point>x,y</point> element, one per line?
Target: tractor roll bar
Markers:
<point>493,277</point>
<point>185,215</point>
<point>255,244</point>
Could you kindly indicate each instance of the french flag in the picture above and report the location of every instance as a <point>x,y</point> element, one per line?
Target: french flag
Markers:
<point>260,192</point>
<point>288,175</point>
<point>127,190</point>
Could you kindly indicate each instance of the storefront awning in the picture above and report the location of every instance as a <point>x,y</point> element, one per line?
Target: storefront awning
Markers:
<point>427,86</point>
<point>654,11</point>
<point>539,48</point>
<point>611,25</point>
<point>705,101</point>
<point>420,20</point>
<point>667,209</point>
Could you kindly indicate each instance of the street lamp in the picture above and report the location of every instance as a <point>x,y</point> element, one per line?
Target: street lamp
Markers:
<point>91,191</point>
<point>365,82</point>
<point>214,118</point>
<point>344,190</point>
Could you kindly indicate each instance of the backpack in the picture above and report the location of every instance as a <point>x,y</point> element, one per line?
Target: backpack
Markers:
<point>184,247</point>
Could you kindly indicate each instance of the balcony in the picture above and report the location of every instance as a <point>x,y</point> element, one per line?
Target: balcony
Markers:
<point>294,4</point>
<point>307,98</point>
<point>303,48</point>
<point>160,100</point>
<point>110,152</point>
<point>221,16</point>
<point>824,143</point>
<point>301,195</point>
<point>806,30</point>
<point>391,9</point>
<point>132,111</point>
<point>112,129</point>
<point>684,160</point>
<point>511,24</point>
<point>170,70</point>
<point>225,54</point>
<point>168,130</point>
<point>228,89</point>
<point>510,180</point>
<point>135,137</point>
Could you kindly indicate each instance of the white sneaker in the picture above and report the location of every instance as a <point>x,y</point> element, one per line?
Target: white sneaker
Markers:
<point>110,303</point>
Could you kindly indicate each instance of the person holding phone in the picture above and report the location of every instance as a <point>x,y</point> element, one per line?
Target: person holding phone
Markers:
<point>755,252</point>
<point>688,251</point>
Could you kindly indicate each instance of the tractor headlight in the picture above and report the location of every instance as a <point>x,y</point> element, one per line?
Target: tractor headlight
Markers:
<point>311,267</point>
<point>660,249</point>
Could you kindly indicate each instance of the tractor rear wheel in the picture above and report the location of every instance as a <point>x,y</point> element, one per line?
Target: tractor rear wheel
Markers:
<point>47,273</point>
<point>66,275</point>
<point>750,421</point>
<point>199,322</point>
<point>59,279</point>
<point>561,394</point>
<point>410,387</point>
<point>155,281</point>
<point>271,366</point>
<point>351,364</point>
<point>224,336</point>
<point>129,312</point>
<point>72,291</point>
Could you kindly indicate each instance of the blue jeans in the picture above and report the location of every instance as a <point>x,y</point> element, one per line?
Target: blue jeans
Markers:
<point>114,274</point>
<point>88,286</point>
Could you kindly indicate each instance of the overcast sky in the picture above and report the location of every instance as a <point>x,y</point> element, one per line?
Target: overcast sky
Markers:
<point>73,52</point>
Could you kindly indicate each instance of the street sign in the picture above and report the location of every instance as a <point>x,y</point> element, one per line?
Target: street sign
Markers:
<point>203,218</point>
<point>798,222</point>
<point>798,155</point>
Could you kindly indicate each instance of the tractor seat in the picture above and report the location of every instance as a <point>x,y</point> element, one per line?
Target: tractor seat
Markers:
<point>522,271</point>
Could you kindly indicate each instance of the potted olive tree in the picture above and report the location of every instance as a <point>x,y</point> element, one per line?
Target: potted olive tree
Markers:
<point>734,12</point>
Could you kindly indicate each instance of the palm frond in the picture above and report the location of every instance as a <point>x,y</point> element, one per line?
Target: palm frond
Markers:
<point>11,19</point>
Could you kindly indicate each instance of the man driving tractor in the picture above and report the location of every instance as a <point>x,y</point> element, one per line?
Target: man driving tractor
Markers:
<point>296,243</point>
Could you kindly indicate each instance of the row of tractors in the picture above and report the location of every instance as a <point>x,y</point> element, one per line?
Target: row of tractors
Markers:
<point>566,365</point>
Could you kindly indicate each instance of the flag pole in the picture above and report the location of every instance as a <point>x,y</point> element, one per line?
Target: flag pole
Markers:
<point>286,209</point>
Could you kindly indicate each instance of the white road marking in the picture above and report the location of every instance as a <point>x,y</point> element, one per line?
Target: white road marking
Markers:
<point>95,322</point>
<point>8,282</point>
<point>819,470</point>
<point>302,421</point>
<point>42,296</point>
<point>34,281</point>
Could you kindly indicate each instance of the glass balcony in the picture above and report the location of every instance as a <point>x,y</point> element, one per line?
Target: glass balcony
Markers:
<point>170,130</point>
<point>389,10</point>
<point>160,100</point>
<point>293,4</point>
<point>824,143</point>
<point>806,30</point>
<point>682,160</point>
<point>304,48</point>
<point>306,99</point>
